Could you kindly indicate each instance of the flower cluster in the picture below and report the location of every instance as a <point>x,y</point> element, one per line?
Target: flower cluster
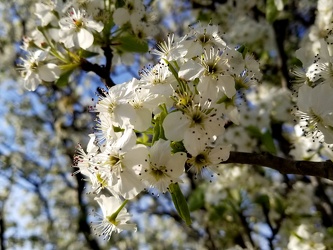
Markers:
<point>315,93</point>
<point>68,34</point>
<point>172,120</point>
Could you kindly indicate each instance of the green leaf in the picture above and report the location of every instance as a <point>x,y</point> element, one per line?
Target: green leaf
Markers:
<point>263,200</point>
<point>279,206</point>
<point>217,213</point>
<point>197,199</point>
<point>271,11</point>
<point>119,3</point>
<point>265,138</point>
<point>130,43</point>
<point>177,147</point>
<point>180,203</point>
<point>64,78</point>
<point>87,54</point>
<point>268,142</point>
<point>144,139</point>
<point>158,131</point>
<point>254,131</point>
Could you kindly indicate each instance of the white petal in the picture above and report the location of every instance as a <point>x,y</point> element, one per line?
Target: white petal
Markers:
<point>129,185</point>
<point>85,38</point>
<point>127,141</point>
<point>121,16</point>
<point>227,83</point>
<point>196,136</point>
<point>176,163</point>
<point>32,82</point>
<point>323,98</point>
<point>91,147</point>
<point>66,23</point>
<point>49,72</point>
<point>304,98</point>
<point>175,125</point>
<point>124,114</point>
<point>160,152</point>
<point>67,38</point>
<point>219,154</point>
<point>207,87</point>
<point>109,205</point>
<point>195,148</point>
<point>98,26</point>
<point>190,70</point>
<point>327,132</point>
<point>137,158</point>
<point>143,119</point>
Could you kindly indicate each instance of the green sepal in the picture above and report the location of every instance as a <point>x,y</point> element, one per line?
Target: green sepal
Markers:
<point>177,147</point>
<point>130,43</point>
<point>158,131</point>
<point>63,79</point>
<point>118,129</point>
<point>144,139</point>
<point>180,203</point>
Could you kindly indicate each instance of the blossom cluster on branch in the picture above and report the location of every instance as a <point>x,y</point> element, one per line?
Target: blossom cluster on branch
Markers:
<point>182,114</point>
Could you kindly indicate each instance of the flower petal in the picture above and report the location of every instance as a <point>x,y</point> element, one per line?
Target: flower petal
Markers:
<point>85,38</point>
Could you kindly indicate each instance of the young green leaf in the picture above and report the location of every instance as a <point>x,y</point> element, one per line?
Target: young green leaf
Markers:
<point>180,203</point>
<point>130,43</point>
<point>64,78</point>
<point>197,199</point>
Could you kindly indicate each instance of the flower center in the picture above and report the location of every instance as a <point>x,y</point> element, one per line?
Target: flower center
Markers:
<point>204,38</point>
<point>200,160</point>
<point>78,23</point>
<point>197,117</point>
<point>111,107</point>
<point>158,173</point>
<point>114,159</point>
<point>33,66</point>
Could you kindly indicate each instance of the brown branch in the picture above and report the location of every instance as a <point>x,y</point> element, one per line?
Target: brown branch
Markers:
<point>2,228</point>
<point>102,71</point>
<point>284,166</point>
<point>84,226</point>
<point>246,227</point>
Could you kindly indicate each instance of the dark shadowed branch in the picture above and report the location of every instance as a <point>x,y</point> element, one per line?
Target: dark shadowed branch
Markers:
<point>285,166</point>
<point>102,71</point>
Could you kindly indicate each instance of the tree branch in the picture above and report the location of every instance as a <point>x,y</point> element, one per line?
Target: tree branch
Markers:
<point>102,71</point>
<point>2,228</point>
<point>84,227</point>
<point>284,166</point>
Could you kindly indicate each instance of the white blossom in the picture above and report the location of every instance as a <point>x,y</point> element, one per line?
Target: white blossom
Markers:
<point>111,221</point>
<point>164,168</point>
<point>35,69</point>
<point>77,28</point>
<point>315,111</point>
